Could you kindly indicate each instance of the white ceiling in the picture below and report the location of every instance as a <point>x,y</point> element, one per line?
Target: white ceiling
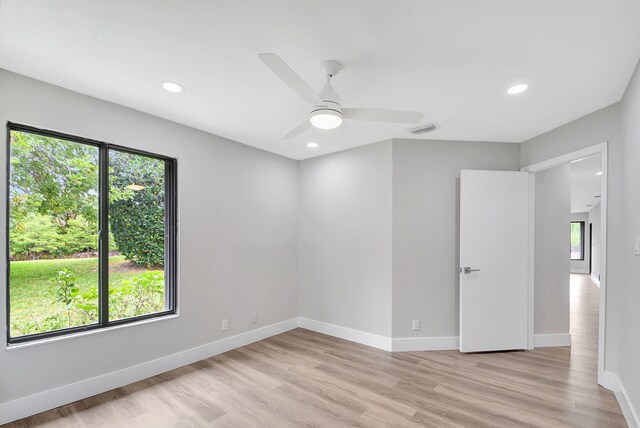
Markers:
<point>585,184</point>
<point>453,60</point>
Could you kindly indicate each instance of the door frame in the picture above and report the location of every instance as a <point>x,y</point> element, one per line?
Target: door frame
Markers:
<point>600,149</point>
<point>591,248</point>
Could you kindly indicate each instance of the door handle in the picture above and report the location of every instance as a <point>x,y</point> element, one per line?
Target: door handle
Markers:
<point>467,270</point>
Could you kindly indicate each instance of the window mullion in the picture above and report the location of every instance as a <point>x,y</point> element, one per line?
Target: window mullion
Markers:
<point>103,246</point>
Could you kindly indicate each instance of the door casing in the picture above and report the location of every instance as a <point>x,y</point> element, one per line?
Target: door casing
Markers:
<point>602,150</point>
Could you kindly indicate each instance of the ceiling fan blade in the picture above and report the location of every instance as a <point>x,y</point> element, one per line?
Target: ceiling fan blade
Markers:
<point>290,77</point>
<point>381,115</point>
<point>297,130</point>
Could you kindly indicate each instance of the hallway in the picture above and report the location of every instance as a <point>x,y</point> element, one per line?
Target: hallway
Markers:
<point>584,323</point>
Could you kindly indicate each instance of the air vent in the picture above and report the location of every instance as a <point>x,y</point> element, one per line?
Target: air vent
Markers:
<point>424,128</point>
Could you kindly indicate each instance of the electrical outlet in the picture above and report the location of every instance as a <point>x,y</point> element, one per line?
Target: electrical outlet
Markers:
<point>415,325</point>
<point>254,318</point>
<point>225,324</point>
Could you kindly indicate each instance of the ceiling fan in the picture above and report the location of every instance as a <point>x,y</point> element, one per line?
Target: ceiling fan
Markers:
<point>327,112</point>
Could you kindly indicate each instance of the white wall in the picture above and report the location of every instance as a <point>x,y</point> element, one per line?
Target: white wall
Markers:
<point>237,237</point>
<point>582,266</point>
<point>552,232</point>
<point>594,220</point>
<point>345,238</point>
<point>595,128</point>
<point>629,358</point>
<point>426,176</point>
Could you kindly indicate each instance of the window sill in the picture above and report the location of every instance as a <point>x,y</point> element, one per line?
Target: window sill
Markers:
<point>17,346</point>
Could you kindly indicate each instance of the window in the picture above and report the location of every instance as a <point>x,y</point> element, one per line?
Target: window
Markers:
<point>92,234</point>
<point>577,240</point>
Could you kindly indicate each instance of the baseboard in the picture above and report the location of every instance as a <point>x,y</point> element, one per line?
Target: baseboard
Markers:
<point>369,339</point>
<point>42,401</point>
<point>579,270</point>
<point>595,279</point>
<point>407,344</point>
<point>550,340</point>
<point>402,344</point>
<point>612,381</point>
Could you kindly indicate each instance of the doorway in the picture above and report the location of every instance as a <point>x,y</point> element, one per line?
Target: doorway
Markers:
<point>596,259</point>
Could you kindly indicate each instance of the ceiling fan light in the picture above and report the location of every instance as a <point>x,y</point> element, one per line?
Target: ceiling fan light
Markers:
<point>325,119</point>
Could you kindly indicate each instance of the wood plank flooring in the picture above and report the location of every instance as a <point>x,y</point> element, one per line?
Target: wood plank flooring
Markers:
<point>302,378</point>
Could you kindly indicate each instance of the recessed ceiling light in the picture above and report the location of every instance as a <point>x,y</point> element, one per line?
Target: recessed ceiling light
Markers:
<point>599,173</point>
<point>517,89</point>
<point>172,87</point>
<point>312,145</point>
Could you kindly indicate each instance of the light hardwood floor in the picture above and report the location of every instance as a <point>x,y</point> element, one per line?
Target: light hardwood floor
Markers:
<point>302,378</point>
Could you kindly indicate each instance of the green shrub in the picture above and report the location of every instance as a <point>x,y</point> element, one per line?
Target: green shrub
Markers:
<point>140,295</point>
<point>39,236</point>
<point>137,216</point>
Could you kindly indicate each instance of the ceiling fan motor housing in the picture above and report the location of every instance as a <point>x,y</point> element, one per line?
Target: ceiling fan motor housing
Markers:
<point>330,107</point>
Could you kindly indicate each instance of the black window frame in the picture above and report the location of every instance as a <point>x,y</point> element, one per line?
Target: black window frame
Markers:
<point>171,231</point>
<point>582,239</point>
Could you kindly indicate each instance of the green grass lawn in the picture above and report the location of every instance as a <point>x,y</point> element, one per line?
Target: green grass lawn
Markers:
<point>30,282</point>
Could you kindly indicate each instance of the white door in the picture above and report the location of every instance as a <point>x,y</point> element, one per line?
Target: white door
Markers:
<point>494,233</point>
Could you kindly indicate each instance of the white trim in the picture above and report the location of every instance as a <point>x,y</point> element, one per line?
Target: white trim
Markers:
<point>363,337</point>
<point>551,340</point>
<point>45,400</point>
<point>531,264</point>
<point>400,344</point>
<point>567,158</point>
<point>595,279</point>
<point>596,149</point>
<point>443,343</point>
<point>604,202</point>
<point>579,270</point>
<point>611,381</point>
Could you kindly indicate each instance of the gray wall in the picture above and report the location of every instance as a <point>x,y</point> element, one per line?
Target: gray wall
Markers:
<point>345,238</point>
<point>237,237</point>
<point>600,126</point>
<point>596,248</point>
<point>378,233</point>
<point>630,289</point>
<point>618,124</point>
<point>426,176</point>
<point>582,266</point>
<point>594,128</point>
<point>552,222</point>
